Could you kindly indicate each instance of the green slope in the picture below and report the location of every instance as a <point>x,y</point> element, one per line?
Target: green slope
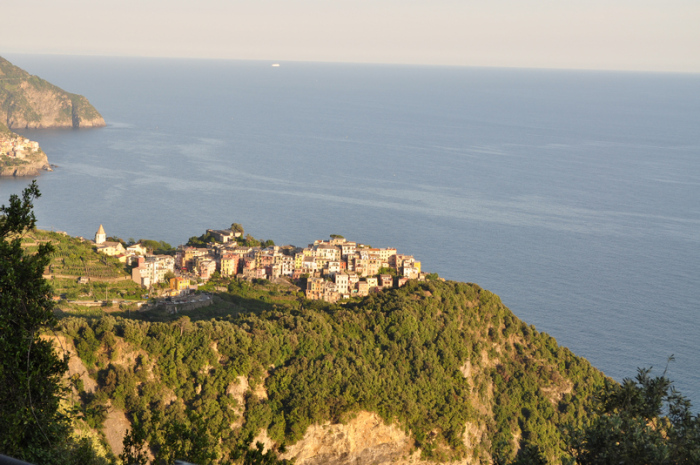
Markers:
<point>432,357</point>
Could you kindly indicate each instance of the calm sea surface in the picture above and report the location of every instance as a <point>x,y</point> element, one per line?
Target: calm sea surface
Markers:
<point>573,195</point>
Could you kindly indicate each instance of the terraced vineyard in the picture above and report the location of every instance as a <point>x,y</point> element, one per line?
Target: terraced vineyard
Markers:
<point>107,278</point>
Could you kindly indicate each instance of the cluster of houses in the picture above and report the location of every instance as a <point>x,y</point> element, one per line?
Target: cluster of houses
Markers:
<point>333,269</point>
<point>16,147</point>
<point>147,269</point>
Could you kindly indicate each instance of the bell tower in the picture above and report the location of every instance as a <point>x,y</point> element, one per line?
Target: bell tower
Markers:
<point>100,236</point>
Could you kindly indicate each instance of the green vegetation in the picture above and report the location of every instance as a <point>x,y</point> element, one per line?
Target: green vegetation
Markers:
<point>401,354</point>
<point>201,241</point>
<point>71,259</point>
<point>432,357</point>
<point>391,271</point>
<point>34,426</point>
<point>7,162</point>
<point>445,361</point>
<point>158,247</point>
<point>247,241</point>
<point>644,420</point>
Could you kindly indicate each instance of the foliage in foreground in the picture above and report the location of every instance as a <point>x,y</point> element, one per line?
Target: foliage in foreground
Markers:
<point>641,421</point>
<point>33,426</point>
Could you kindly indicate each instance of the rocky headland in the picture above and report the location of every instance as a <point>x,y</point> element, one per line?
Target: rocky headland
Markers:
<point>27,101</point>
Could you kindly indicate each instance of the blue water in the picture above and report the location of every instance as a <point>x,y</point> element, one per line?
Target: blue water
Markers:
<point>573,195</point>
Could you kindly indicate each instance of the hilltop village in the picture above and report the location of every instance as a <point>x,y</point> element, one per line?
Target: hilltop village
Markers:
<point>20,156</point>
<point>16,147</point>
<point>327,270</point>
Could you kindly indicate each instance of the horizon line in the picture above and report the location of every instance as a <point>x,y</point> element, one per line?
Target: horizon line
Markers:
<point>378,63</point>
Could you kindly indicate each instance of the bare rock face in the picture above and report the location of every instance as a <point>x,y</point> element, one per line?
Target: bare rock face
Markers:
<point>76,367</point>
<point>116,426</point>
<point>364,439</point>
<point>28,101</point>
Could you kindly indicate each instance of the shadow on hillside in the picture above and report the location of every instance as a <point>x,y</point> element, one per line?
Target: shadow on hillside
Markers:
<point>223,305</point>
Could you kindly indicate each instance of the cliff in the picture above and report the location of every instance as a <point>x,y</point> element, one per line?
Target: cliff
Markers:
<point>28,101</point>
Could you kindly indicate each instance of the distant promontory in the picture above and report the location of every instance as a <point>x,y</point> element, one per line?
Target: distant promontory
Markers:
<point>28,101</point>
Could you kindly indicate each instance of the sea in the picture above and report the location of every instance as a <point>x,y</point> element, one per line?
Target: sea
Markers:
<point>573,195</point>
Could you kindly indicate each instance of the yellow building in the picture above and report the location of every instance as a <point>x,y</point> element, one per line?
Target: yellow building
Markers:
<point>179,284</point>
<point>229,265</point>
<point>384,254</point>
<point>110,248</point>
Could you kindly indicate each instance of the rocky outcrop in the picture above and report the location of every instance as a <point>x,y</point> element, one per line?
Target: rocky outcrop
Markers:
<point>364,439</point>
<point>26,169</point>
<point>76,367</point>
<point>115,427</point>
<point>28,101</point>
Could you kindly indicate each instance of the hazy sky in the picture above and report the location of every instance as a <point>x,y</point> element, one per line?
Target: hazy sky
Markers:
<point>658,35</point>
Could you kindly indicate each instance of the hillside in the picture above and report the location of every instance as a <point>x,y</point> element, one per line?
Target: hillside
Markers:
<point>105,278</point>
<point>28,101</point>
<point>433,372</point>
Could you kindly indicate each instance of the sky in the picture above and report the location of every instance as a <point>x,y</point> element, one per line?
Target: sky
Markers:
<point>642,35</point>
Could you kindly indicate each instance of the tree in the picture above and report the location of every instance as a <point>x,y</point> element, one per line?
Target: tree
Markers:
<point>157,247</point>
<point>256,455</point>
<point>134,452</point>
<point>387,270</point>
<point>235,227</point>
<point>30,369</point>
<point>200,241</point>
<point>250,241</point>
<point>33,427</point>
<point>645,420</point>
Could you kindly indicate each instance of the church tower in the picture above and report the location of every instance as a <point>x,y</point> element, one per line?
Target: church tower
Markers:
<point>101,236</point>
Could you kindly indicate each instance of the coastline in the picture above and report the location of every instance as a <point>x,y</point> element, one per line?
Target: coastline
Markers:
<point>26,170</point>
